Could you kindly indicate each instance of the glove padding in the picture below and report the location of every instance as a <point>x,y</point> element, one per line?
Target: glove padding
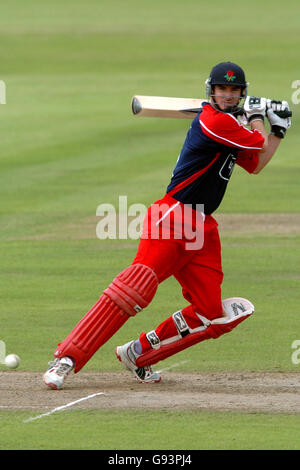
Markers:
<point>255,108</point>
<point>278,124</point>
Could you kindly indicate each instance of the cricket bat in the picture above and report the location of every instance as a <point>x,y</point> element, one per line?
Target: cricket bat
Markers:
<point>168,107</point>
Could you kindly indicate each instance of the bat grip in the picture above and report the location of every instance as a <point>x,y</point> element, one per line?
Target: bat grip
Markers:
<point>284,114</point>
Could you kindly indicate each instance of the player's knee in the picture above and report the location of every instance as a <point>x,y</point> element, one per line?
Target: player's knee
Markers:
<point>133,289</point>
<point>235,310</point>
<point>219,320</point>
<point>210,308</point>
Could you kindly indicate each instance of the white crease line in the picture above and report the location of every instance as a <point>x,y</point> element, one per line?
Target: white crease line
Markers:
<point>171,367</point>
<point>89,396</point>
<point>63,407</point>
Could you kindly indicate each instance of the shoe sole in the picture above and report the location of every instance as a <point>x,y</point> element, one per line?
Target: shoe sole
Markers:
<point>122,358</point>
<point>51,385</point>
<point>120,355</point>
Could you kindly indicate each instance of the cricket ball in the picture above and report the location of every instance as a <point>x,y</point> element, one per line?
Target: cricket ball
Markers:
<point>12,361</point>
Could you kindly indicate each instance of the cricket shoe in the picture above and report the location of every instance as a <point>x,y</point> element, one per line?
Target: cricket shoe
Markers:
<point>58,371</point>
<point>128,356</point>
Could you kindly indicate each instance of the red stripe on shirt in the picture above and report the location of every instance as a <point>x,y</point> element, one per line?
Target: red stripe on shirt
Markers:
<point>192,178</point>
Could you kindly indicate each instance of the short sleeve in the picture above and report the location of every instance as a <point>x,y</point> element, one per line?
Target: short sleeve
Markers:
<point>226,129</point>
<point>247,159</point>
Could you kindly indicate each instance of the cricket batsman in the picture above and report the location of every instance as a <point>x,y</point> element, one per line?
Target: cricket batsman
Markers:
<point>180,237</point>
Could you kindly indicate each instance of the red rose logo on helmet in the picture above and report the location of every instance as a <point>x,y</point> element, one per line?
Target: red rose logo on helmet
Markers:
<point>230,76</point>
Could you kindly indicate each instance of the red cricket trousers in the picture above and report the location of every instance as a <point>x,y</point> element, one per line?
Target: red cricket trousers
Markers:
<point>167,247</point>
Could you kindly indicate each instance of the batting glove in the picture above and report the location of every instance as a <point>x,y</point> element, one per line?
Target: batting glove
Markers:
<point>279,125</point>
<point>255,108</point>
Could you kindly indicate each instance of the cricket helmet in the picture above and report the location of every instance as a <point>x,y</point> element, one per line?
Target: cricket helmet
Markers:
<point>227,73</point>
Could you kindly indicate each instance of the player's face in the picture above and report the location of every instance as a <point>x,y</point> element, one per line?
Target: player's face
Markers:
<point>226,96</point>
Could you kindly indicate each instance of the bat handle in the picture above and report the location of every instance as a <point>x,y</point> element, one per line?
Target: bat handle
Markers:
<point>284,114</point>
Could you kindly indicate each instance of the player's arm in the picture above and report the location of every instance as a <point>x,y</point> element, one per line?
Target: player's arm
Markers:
<point>270,146</point>
<point>256,109</point>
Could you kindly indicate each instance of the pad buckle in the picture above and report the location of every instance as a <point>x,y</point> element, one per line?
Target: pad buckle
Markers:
<point>153,339</point>
<point>181,324</point>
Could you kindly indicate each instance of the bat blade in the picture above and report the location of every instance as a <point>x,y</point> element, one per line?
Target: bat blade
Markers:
<point>165,107</point>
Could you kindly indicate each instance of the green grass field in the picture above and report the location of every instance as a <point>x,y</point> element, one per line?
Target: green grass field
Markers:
<point>69,143</point>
